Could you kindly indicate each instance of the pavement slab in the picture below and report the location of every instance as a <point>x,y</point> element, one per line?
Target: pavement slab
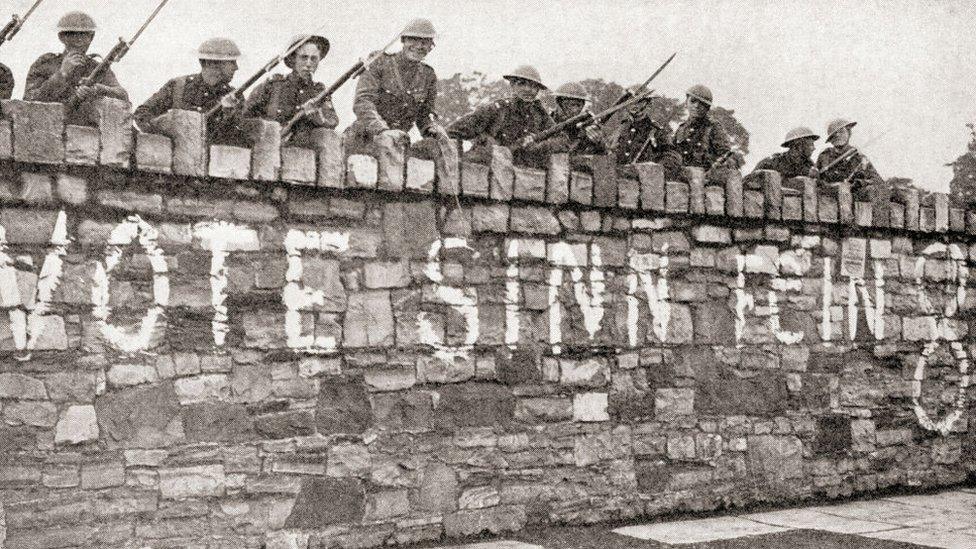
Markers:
<point>815,520</point>
<point>960,500</point>
<point>501,544</point>
<point>697,531</point>
<point>927,537</point>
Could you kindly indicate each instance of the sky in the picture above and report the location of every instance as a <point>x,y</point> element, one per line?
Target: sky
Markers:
<point>902,69</point>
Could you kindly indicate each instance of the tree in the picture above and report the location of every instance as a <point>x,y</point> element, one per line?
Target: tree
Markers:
<point>963,185</point>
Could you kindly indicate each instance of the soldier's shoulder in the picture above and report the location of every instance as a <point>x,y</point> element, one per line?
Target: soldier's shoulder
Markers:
<point>428,69</point>
<point>47,58</point>
<point>277,77</point>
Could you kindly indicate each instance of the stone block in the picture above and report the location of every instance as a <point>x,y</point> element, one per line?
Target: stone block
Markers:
<point>72,189</point>
<point>957,220</point>
<point>696,189</point>
<point>604,172</point>
<point>81,145</point>
<point>651,178</point>
<point>629,193</point>
<point>474,179</point>
<point>672,404</point>
<point>188,132</point>
<point>330,153</point>
<point>775,459</point>
<point>298,166</point>
<point>676,197</point>
<point>490,218</point>
<point>752,204</point>
<point>557,179</point>
<point>772,187</point>
<point>845,203</point>
<point>198,481</point>
<point>28,226</point>
<point>421,174</point>
<point>941,212</point>
<point>827,208</point>
<point>733,194</point>
<point>496,520</point>
<point>580,188</point>
<point>793,207</point>
<point>880,201</point>
<point>265,136</point>
<point>368,320</point>
<point>911,209</point>
<point>115,130</point>
<point>926,219</point>
<point>21,387</point>
<point>409,228</point>
<point>154,153</point>
<point>6,138</point>
<point>502,181</point>
<point>35,188</point>
<point>390,157</point>
<point>590,407</point>
<point>229,162</point>
<point>809,199</point>
<point>896,215</point>
<point>534,221</point>
<point>714,200</point>
<point>530,184</point>
<point>711,234</point>
<point>448,165</point>
<point>37,129</point>
<point>863,214</point>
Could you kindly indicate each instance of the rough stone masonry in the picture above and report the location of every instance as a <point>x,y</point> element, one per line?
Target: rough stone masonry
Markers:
<point>216,347</point>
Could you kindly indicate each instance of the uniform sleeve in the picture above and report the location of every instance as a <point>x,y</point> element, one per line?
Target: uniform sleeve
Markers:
<point>158,104</point>
<point>256,104</point>
<point>45,82</point>
<point>367,91</point>
<point>473,124</point>
<point>719,142</point>
<point>6,82</point>
<point>823,159</point>
<point>869,172</point>
<point>427,108</point>
<point>111,81</point>
<point>543,122</point>
<point>329,118</point>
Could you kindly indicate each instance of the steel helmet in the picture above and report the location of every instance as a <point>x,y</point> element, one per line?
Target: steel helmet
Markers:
<point>218,49</point>
<point>419,28</point>
<point>837,125</point>
<point>76,21</point>
<point>526,72</point>
<point>572,90</point>
<point>320,41</point>
<point>700,93</point>
<point>798,133</point>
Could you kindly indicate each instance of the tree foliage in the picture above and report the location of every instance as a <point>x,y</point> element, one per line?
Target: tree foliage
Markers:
<point>963,185</point>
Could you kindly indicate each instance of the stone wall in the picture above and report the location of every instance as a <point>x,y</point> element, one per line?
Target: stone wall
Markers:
<point>283,347</point>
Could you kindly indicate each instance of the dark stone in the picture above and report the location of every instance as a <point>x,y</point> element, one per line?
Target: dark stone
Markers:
<point>652,476</point>
<point>474,405</point>
<point>221,422</point>
<point>327,501</point>
<point>630,396</point>
<point>521,367</point>
<point>14,439</point>
<point>815,394</point>
<point>720,390</point>
<point>286,425</point>
<point>833,435</point>
<point>407,411</point>
<point>438,489</point>
<point>139,417</point>
<point>714,323</point>
<point>343,408</point>
<point>833,363</point>
<point>409,228</point>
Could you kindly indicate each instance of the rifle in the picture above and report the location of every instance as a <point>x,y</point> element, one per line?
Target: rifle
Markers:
<point>117,52</point>
<point>851,152</point>
<point>238,92</point>
<point>13,26</point>
<point>721,159</point>
<point>627,94</point>
<point>585,117</point>
<point>353,72</point>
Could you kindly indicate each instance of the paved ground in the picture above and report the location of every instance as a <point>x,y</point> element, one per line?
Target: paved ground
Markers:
<point>946,520</point>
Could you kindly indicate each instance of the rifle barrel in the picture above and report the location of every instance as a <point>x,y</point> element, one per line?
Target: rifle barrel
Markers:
<point>147,22</point>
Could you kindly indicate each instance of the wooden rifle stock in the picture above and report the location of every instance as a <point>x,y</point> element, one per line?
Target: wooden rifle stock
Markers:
<point>351,73</point>
<point>98,73</point>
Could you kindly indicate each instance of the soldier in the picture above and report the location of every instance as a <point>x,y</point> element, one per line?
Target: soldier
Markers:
<point>571,99</point>
<point>509,122</point>
<point>6,82</point>
<point>281,97</point>
<point>200,92</point>
<point>855,168</point>
<point>641,139</point>
<point>55,77</point>
<point>700,140</point>
<point>398,92</point>
<point>796,161</point>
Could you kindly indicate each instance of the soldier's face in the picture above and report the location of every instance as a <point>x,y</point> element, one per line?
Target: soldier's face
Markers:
<point>415,48</point>
<point>842,137</point>
<point>696,109</point>
<point>76,41</point>
<point>571,106</point>
<point>307,60</point>
<point>524,90</point>
<point>227,70</point>
<point>807,146</point>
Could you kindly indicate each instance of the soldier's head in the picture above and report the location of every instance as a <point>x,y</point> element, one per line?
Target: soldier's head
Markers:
<point>698,100</point>
<point>526,82</point>
<point>305,60</point>
<point>218,60</point>
<point>76,30</point>
<point>571,98</point>
<point>801,140</point>
<point>839,132</point>
<point>418,39</point>
<point>640,107</point>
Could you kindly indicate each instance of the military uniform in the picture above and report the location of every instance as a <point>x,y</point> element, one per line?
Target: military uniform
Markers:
<point>573,139</point>
<point>192,93</point>
<point>280,97</point>
<point>396,94</point>
<point>700,142</point>
<point>505,122</point>
<point>635,133</point>
<point>850,169</point>
<point>6,82</point>
<point>789,164</point>
<point>45,83</point>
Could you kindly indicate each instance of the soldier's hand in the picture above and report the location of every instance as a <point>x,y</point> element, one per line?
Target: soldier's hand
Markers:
<point>439,132</point>
<point>526,141</point>
<point>229,101</point>
<point>593,133</point>
<point>103,89</point>
<point>71,61</point>
<point>316,116</point>
<point>86,93</point>
<point>397,135</point>
<point>814,173</point>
